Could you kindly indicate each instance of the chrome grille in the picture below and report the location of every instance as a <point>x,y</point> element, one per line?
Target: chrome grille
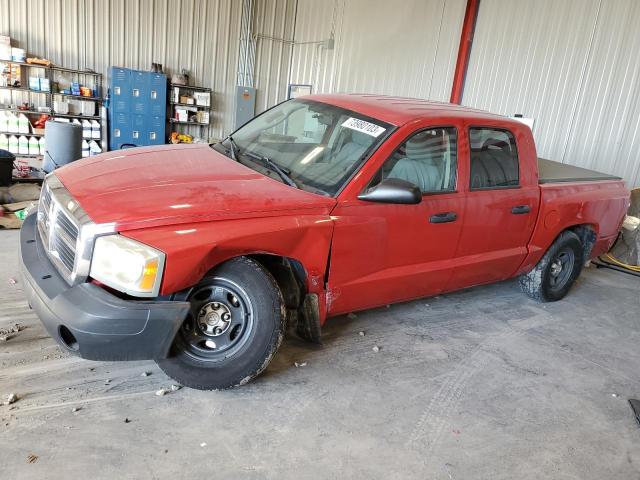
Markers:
<point>58,231</point>
<point>66,231</point>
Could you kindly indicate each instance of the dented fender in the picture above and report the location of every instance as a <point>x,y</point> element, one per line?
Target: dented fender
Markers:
<point>194,249</point>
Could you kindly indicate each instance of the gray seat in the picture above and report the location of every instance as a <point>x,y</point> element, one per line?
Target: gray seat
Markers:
<point>422,165</point>
<point>352,150</point>
<point>329,172</point>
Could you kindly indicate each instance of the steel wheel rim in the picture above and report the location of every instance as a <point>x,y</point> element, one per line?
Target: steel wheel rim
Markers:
<point>561,268</point>
<point>206,334</point>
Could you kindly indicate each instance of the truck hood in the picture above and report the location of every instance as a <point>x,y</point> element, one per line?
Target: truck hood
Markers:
<point>173,184</point>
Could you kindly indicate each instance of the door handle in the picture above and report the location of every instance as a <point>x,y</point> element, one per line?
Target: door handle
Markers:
<point>443,217</point>
<point>520,209</point>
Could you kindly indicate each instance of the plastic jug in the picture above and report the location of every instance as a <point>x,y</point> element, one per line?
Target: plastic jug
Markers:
<point>85,148</point>
<point>23,123</point>
<point>34,146</point>
<point>86,129</point>
<point>42,146</point>
<point>94,148</point>
<point>23,145</point>
<point>4,127</point>
<point>4,142</point>
<point>95,129</point>
<point>12,123</point>
<point>13,144</point>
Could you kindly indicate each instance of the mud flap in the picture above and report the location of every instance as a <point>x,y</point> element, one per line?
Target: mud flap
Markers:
<point>308,327</point>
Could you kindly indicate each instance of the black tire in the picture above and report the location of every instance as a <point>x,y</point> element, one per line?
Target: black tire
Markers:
<point>209,353</point>
<point>553,276</point>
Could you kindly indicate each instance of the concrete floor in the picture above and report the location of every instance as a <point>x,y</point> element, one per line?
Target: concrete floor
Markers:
<point>477,384</point>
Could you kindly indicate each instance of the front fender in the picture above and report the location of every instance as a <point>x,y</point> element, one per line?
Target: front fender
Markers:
<point>194,249</point>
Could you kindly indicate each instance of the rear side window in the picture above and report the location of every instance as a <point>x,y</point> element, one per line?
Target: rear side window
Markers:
<point>494,159</point>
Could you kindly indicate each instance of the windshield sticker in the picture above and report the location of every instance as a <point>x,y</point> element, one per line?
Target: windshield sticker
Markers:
<point>364,127</point>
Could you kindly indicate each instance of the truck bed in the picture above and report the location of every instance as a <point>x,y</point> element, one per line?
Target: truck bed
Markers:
<point>556,172</point>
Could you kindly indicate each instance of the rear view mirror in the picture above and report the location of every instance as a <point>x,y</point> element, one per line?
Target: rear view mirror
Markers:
<point>393,190</point>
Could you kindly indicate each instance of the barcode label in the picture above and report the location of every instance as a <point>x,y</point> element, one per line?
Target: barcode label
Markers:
<point>364,127</point>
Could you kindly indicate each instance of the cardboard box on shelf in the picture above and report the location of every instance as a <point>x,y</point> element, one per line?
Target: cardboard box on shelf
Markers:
<point>203,98</point>
<point>202,117</point>
<point>182,115</point>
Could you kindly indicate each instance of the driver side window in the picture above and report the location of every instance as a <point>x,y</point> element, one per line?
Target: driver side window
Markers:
<point>427,159</point>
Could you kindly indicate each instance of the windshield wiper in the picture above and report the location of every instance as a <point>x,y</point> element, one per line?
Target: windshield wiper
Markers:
<point>233,147</point>
<point>282,172</point>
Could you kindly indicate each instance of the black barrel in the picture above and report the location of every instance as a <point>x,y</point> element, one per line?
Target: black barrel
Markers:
<point>63,144</point>
<point>6,167</point>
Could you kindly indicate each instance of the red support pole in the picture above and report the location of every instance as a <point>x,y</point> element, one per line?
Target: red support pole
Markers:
<point>464,50</point>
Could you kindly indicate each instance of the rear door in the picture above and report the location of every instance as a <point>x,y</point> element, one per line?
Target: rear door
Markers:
<point>385,253</point>
<point>501,208</point>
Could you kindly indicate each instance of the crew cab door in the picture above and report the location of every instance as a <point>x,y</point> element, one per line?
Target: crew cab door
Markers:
<point>385,252</point>
<point>501,204</point>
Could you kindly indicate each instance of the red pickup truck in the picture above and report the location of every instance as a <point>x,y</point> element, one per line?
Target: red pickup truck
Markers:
<point>198,256</point>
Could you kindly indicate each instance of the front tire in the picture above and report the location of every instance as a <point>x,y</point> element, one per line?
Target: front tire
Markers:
<point>234,328</point>
<point>553,276</point>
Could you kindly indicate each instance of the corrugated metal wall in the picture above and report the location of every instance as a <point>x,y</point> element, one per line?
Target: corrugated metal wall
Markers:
<point>274,22</point>
<point>573,65</point>
<point>201,36</point>
<point>406,48</point>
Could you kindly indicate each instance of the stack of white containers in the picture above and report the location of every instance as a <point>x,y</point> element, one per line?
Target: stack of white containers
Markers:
<point>90,133</point>
<point>14,135</point>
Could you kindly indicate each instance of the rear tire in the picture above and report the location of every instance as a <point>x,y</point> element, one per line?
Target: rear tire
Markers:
<point>233,330</point>
<point>553,276</point>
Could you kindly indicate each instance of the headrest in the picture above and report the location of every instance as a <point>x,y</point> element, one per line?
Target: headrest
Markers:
<point>424,144</point>
<point>361,139</point>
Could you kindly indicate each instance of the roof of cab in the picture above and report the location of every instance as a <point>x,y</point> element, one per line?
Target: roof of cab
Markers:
<point>400,110</point>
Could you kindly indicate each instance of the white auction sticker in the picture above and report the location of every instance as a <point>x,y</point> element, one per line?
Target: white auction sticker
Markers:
<point>364,127</point>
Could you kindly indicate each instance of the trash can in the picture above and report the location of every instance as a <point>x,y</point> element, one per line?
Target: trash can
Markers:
<point>63,143</point>
<point>6,167</point>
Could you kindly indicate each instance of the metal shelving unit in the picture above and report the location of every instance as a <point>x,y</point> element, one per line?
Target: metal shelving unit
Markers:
<point>173,104</point>
<point>50,73</point>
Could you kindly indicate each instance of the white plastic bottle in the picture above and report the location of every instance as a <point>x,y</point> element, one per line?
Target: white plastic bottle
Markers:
<point>85,149</point>
<point>12,123</point>
<point>23,123</point>
<point>42,146</point>
<point>13,144</point>
<point>94,148</point>
<point>23,145</point>
<point>4,142</point>
<point>34,146</point>
<point>95,129</point>
<point>86,129</point>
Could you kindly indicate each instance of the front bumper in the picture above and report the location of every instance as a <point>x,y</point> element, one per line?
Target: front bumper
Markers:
<point>102,326</point>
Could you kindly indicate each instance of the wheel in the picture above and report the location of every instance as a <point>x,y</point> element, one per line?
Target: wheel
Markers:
<point>235,325</point>
<point>552,278</point>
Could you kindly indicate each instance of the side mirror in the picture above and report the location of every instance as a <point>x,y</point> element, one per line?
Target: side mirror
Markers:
<point>393,190</point>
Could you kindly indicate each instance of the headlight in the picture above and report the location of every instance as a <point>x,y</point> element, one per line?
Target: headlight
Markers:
<point>128,266</point>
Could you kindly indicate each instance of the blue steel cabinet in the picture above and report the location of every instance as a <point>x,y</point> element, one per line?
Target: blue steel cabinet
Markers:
<point>157,95</point>
<point>156,131</point>
<point>138,107</point>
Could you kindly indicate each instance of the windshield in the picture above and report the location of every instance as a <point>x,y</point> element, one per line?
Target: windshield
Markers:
<point>318,146</point>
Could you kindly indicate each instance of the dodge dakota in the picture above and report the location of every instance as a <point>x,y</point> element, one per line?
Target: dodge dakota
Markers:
<point>199,256</point>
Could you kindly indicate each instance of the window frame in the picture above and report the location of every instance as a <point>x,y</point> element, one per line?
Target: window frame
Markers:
<point>515,144</point>
<point>406,139</point>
